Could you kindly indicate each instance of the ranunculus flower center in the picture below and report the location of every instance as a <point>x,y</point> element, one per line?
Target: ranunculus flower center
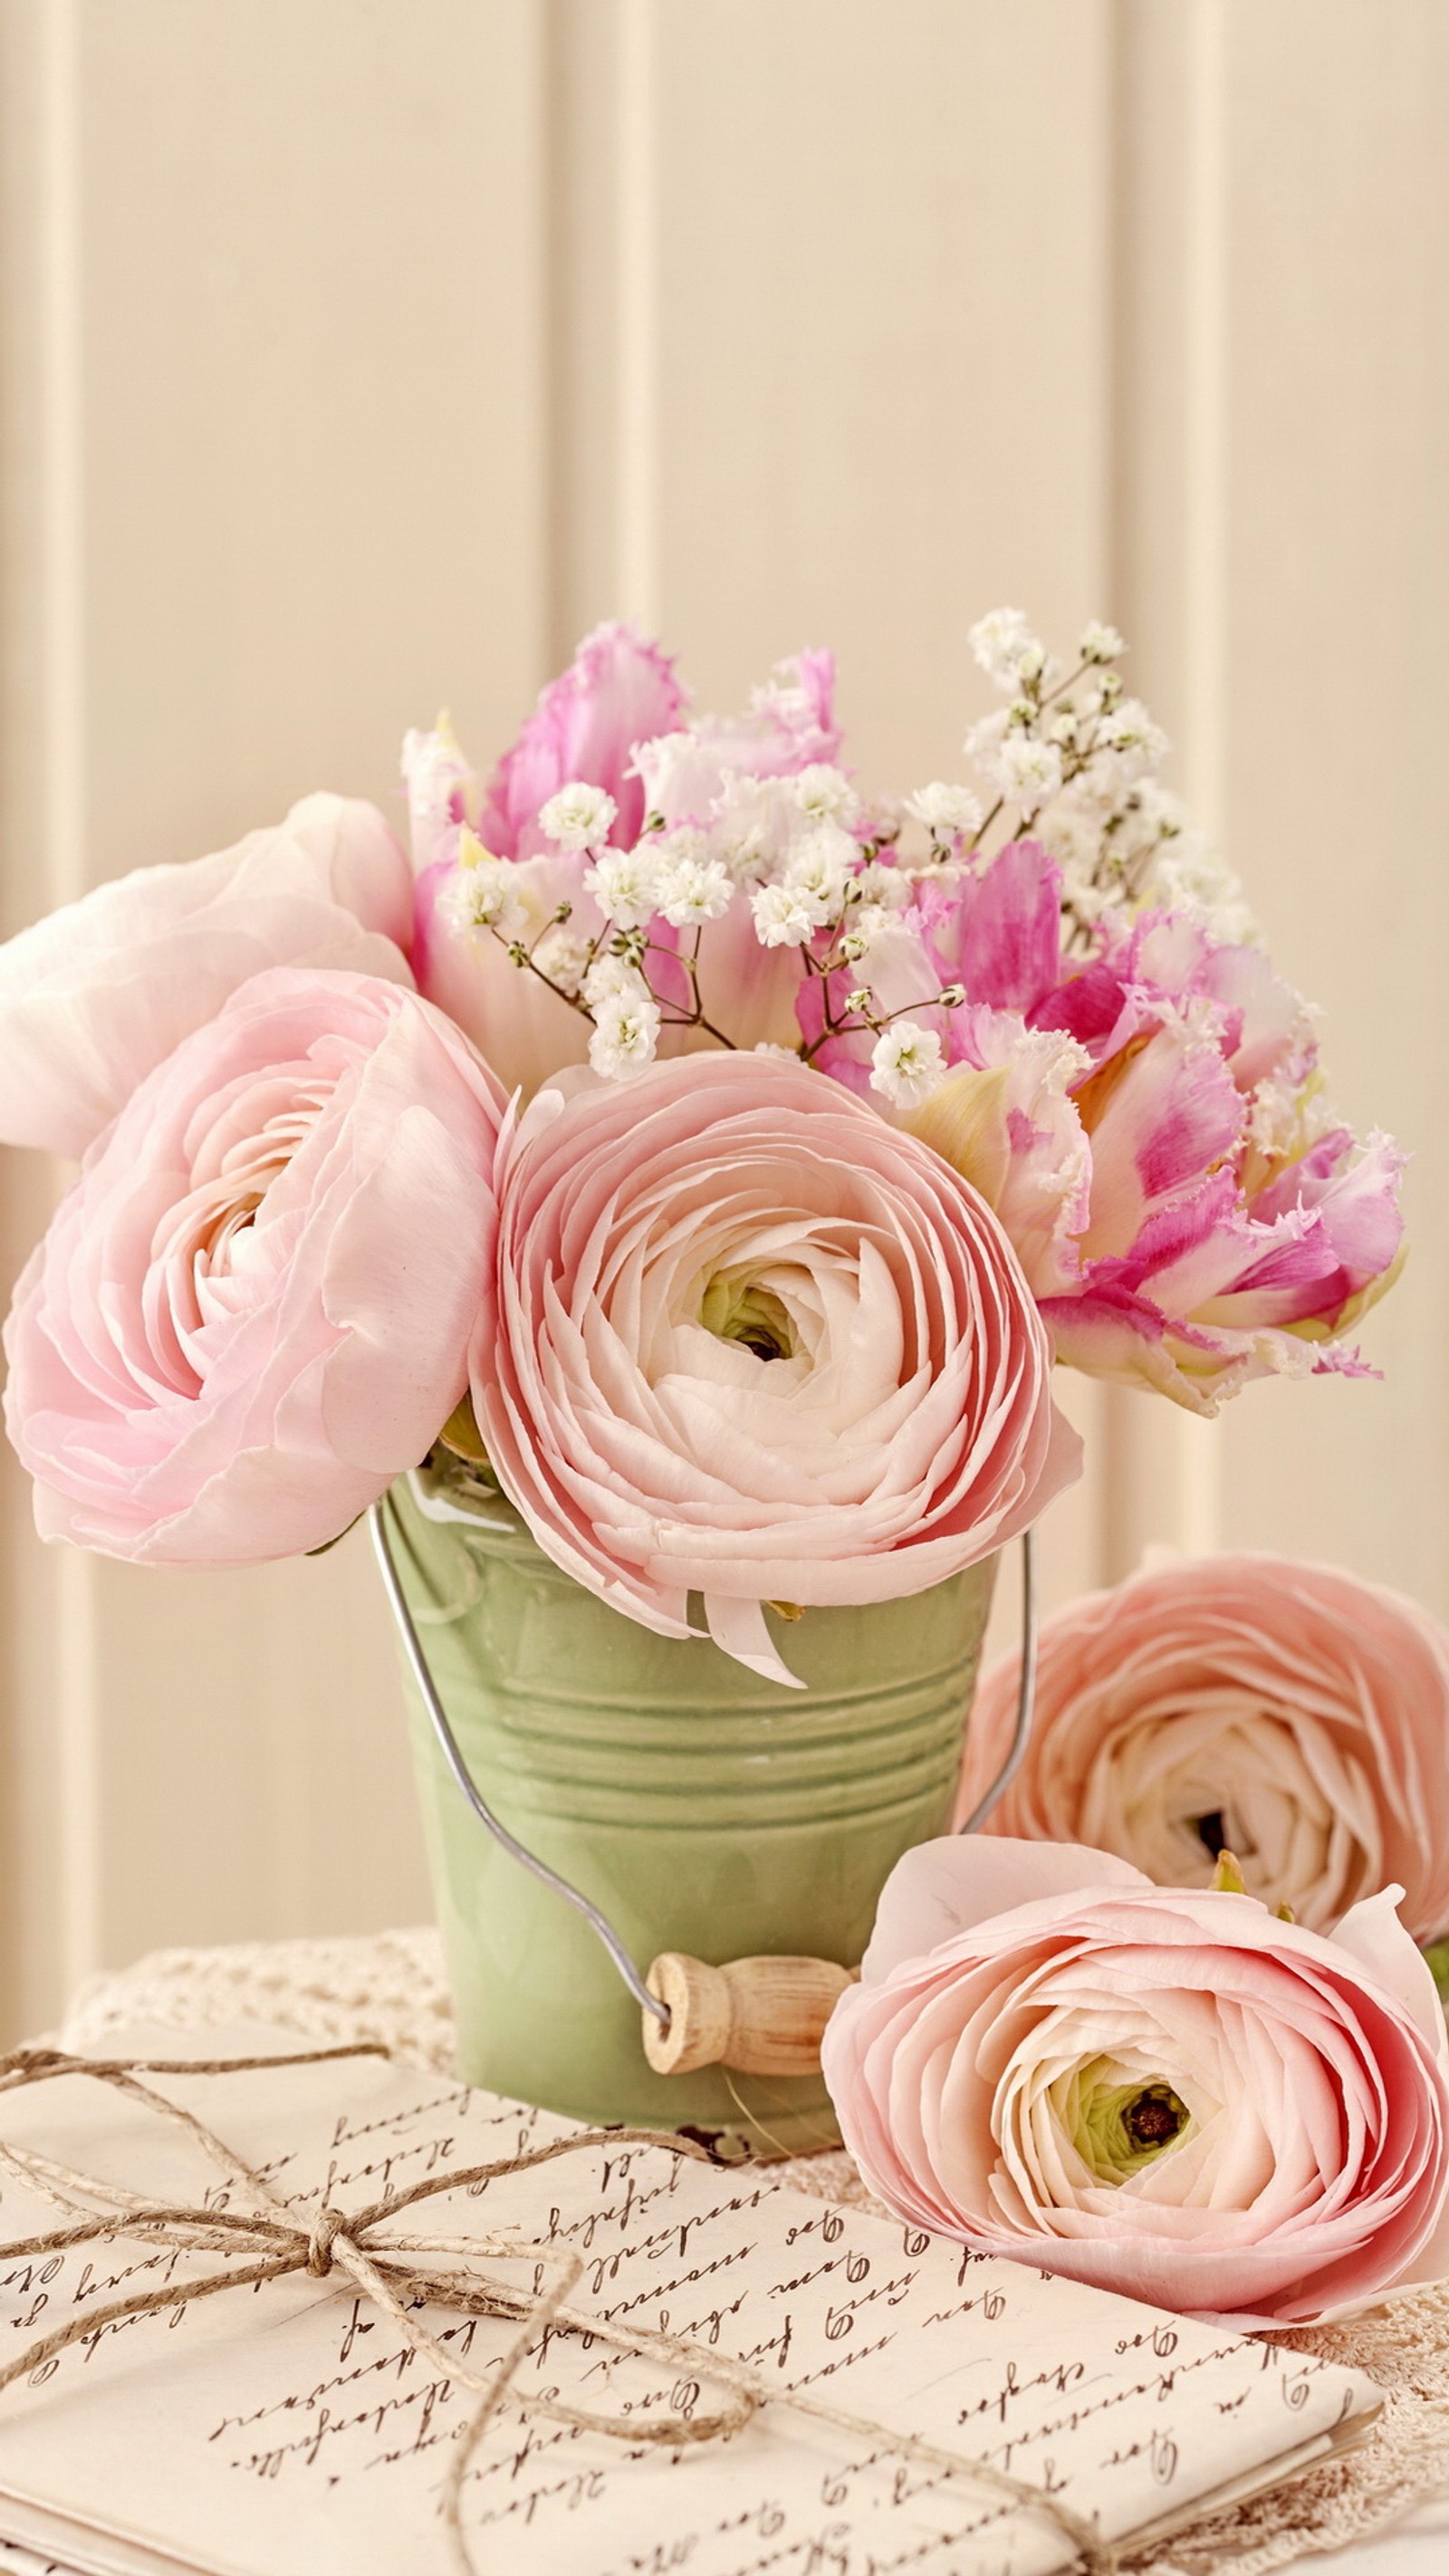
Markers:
<point>752,1344</point>
<point>1287,1713</point>
<point>1168,2092</point>
<point>744,1310</point>
<point>1122,2125</point>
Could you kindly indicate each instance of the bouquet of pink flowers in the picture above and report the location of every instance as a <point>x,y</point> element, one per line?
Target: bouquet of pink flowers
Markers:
<point>716,1159</point>
<point>724,1152</point>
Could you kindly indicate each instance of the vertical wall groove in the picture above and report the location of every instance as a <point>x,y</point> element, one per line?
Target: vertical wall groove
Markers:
<point>1205,567</point>
<point>639,573</point>
<point>78,1845</point>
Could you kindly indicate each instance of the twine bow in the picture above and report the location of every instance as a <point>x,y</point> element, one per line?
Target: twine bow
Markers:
<point>397,2273</point>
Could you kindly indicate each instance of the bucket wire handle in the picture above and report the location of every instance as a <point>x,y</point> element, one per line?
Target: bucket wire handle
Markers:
<point>653,2005</point>
<point>452,1755</point>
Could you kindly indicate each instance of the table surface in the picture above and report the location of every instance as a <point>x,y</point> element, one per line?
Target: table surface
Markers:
<point>391,1988</point>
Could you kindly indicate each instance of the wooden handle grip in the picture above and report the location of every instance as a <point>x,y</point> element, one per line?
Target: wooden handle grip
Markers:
<point>762,2016</point>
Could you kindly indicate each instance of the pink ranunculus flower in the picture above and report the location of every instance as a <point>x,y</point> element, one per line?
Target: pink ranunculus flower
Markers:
<point>252,1310</point>
<point>753,1344</point>
<point>1287,1712</point>
<point>1165,2092</point>
<point>618,691</point>
<point>93,996</point>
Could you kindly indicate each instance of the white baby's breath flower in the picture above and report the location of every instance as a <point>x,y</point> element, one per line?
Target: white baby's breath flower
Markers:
<point>1029,770</point>
<point>819,867</point>
<point>563,956</point>
<point>907,1064</point>
<point>1187,875</point>
<point>985,738</point>
<point>1129,728</point>
<point>1100,642</point>
<point>579,815</point>
<point>824,793</point>
<point>945,810</point>
<point>880,819</point>
<point>624,885</point>
<point>482,894</point>
<point>610,975</point>
<point>691,885</point>
<point>785,916</point>
<point>624,1036</point>
<point>767,1046</point>
<point>866,923</point>
<point>890,887</point>
<point>753,820</point>
<point>1003,643</point>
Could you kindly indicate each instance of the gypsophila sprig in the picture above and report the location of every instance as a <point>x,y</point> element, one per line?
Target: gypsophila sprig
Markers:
<point>907,1064</point>
<point>579,816</point>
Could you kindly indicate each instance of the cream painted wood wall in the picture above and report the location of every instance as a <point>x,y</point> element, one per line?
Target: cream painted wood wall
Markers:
<point>357,355</point>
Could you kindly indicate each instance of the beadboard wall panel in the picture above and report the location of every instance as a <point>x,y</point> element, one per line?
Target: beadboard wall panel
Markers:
<point>357,359</point>
<point>277,384</point>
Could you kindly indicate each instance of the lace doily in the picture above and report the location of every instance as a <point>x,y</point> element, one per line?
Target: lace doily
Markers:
<point>391,1988</point>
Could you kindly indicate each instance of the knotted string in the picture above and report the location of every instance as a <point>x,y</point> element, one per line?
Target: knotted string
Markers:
<point>396,2273</point>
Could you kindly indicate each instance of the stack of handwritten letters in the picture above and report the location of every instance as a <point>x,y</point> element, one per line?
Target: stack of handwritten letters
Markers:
<point>286,2428</point>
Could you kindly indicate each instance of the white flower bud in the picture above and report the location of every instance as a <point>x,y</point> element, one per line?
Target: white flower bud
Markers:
<point>692,885</point>
<point>1100,643</point>
<point>563,956</point>
<point>610,975</point>
<point>1029,770</point>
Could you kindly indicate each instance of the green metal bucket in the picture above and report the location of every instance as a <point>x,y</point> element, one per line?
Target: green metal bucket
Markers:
<point>701,1808</point>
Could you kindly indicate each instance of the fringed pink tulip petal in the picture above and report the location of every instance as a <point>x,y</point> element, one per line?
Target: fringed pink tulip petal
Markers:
<point>618,692</point>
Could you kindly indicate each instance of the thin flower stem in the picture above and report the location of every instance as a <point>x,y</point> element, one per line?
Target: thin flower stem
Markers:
<point>510,948</point>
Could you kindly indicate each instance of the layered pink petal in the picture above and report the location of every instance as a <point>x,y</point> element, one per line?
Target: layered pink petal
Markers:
<point>1290,1711</point>
<point>252,1310</point>
<point>900,1430</point>
<point>93,997</point>
<point>1171,2094</point>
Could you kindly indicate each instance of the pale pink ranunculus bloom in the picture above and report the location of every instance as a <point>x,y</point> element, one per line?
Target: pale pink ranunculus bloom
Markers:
<point>252,1310</point>
<point>93,996</point>
<point>752,1343</point>
<point>1286,1712</point>
<point>1165,2092</point>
